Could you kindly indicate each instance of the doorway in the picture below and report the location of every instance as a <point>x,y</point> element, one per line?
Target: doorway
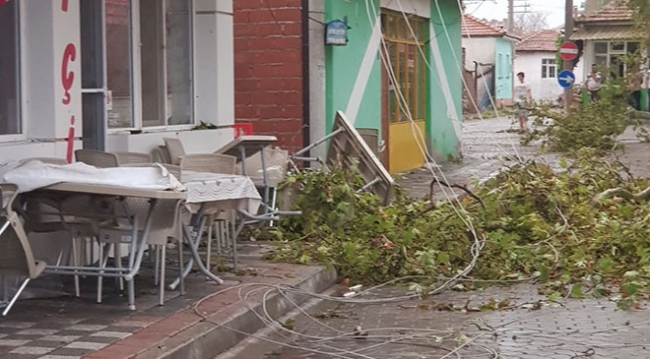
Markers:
<point>407,93</point>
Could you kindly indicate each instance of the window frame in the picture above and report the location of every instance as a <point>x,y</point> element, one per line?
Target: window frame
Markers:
<point>20,77</point>
<point>500,66</point>
<point>547,64</point>
<point>612,53</point>
<point>136,74</point>
<point>136,109</point>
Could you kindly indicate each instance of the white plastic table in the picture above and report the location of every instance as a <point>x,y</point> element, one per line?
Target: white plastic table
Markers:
<point>138,245</point>
<point>210,193</point>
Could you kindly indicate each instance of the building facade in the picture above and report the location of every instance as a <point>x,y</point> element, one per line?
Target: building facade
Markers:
<point>607,35</point>
<point>115,75</point>
<point>536,56</point>
<point>490,54</point>
<point>281,53</point>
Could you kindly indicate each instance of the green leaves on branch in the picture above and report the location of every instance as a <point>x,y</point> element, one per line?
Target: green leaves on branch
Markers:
<point>536,223</point>
<point>595,125</point>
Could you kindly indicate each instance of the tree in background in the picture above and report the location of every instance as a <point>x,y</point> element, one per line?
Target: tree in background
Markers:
<point>641,20</point>
<point>529,23</point>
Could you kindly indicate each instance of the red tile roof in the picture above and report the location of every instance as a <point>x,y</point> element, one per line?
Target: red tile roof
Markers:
<point>473,27</point>
<point>545,40</point>
<point>615,10</point>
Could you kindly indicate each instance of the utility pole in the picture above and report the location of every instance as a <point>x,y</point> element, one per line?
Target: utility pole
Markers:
<point>511,15</point>
<point>568,65</point>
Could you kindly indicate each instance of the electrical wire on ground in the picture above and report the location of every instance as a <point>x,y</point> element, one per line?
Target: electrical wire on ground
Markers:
<point>287,291</point>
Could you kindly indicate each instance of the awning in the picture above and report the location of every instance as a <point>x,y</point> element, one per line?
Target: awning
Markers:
<point>606,33</point>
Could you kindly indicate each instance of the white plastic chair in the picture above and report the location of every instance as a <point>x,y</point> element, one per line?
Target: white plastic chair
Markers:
<point>127,158</point>
<point>166,224</point>
<point>213,163</point>
<point>16,256</point>
<point>175,150</point>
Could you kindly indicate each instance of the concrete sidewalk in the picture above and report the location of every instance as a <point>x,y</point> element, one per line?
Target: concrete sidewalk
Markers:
<point>72,328</point>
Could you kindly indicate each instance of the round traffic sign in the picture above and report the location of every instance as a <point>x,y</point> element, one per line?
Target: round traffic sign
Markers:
<point>566,79</point>
<point>568,51</point>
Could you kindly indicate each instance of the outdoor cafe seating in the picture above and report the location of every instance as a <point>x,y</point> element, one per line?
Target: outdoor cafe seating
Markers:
<point>105,211</point>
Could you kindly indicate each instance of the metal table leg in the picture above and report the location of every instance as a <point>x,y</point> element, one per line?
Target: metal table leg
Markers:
<point>193,242</point>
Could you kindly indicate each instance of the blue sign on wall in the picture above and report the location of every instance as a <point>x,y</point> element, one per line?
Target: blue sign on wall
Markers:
<point>336,33</point>
<point>566,79</point>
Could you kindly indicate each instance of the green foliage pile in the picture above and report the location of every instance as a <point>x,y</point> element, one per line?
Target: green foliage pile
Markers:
<point>536,223</point>
<point>594,125</point>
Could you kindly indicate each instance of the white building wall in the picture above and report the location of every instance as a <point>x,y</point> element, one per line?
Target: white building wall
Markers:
<point>317,118</point>
<point>542,89</point>
<point>214,62</point>
<point>47,30</point>
<point>587,58</point>
<point>480,49</point>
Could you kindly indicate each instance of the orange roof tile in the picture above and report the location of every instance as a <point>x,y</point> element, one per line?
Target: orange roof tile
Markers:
<point>473,27</point>
<point>615,10</point>
<point>545,40</point>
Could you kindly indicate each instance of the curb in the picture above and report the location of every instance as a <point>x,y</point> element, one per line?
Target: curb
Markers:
<point>205,340</point>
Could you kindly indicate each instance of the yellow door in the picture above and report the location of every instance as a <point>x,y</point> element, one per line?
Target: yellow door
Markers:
<point>406,89</point>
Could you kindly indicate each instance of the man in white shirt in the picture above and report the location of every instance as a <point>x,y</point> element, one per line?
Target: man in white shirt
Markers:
<point>594,83</point>
<point>521,98</point>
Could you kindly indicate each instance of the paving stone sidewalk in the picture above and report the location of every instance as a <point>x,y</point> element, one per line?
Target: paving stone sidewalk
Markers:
<point>66,327</point>
<point>427,328</point>
<point>491,144</point>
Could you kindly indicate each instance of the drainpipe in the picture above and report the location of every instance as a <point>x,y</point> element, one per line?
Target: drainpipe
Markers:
<point>306,108</point>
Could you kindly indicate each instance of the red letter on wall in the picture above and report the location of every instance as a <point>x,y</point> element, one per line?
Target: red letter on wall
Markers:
<point>67,77</point>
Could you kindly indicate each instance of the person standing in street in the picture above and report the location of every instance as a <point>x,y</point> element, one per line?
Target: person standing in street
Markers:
<point>594,83</point>
<point>634,81</point>
<point>522,99</point>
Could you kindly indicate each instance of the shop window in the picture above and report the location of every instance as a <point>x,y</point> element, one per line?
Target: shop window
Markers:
<point>10,116</point>
<point>119,64</point>
<point>93,93</point>
<point>166,71</point>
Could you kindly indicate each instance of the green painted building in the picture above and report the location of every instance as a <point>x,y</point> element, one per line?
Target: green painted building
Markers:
<point>399,73</point>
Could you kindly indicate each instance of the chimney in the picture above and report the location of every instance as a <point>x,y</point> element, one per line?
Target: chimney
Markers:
<point>591,6</point>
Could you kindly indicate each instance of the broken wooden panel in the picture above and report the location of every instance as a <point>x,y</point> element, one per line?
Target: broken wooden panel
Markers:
<point>346,145</point>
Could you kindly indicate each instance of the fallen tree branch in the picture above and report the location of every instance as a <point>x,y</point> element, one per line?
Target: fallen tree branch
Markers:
<point>465,189</point>
<point>622,193</point>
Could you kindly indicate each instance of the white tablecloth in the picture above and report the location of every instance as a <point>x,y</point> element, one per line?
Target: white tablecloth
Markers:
<point>35,174</point>
<point>220,192</point>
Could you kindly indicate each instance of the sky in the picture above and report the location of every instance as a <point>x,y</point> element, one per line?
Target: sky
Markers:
<point>498,9</point>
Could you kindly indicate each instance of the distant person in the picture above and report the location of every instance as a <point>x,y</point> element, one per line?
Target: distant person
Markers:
<point>522,99</point>
<point>594,83</point>
<point>634,81</point>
